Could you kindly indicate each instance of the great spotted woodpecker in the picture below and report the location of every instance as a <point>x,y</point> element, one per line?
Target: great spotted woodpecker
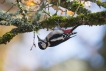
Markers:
<point>56,37</point>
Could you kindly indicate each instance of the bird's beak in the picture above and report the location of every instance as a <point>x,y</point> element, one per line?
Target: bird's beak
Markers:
<point>38,38</point>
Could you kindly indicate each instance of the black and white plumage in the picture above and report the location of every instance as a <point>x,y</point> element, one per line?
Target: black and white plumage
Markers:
<point>56,37</point>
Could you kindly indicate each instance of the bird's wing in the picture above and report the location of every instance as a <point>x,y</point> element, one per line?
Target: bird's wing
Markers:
<point>54,34</point>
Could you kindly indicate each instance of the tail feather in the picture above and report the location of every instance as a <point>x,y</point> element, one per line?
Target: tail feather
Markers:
<point>75,27</point>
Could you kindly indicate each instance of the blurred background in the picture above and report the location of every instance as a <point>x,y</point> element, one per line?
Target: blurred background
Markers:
<point>85,52</point>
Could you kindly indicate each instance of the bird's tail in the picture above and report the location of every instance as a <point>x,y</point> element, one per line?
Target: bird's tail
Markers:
<point>75,27</point>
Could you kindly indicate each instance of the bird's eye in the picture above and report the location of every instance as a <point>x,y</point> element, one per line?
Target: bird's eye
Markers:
<point>41,43</point>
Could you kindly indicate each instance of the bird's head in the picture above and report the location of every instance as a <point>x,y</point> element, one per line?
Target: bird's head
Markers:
<point>41,43</point>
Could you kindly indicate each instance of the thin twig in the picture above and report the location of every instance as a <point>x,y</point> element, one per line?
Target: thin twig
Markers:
<point>34,45</point>
<point>47,13</point>
<point>48,8</point>
<point>21,10</point>
<point>76,9</point>
<point>10,8</point>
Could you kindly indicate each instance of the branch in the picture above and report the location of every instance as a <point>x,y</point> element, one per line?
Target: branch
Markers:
<point>103,4</point>
<point>98,18</point>
<point>22,29</point>
<point>72,6</point>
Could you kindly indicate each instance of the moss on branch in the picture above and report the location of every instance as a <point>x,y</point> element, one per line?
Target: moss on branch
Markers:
<point>9,35</point>
<point>98,18</point>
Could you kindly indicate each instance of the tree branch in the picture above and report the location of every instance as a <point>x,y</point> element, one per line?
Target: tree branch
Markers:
<point>98,18</point>
<point>22,29</point>
<point>103,4</point>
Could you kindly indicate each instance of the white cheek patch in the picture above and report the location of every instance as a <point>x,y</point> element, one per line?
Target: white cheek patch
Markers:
<point>60,38</point>
<point>48,44</point>
<point>43,45</point>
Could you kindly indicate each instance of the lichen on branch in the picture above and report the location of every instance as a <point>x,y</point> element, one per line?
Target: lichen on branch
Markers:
<point>25,24</point>
<point>98,18</point>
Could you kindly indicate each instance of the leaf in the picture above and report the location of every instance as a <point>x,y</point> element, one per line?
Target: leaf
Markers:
<point>70,12</point>
<point>30,3</point>
<point>99,3</point>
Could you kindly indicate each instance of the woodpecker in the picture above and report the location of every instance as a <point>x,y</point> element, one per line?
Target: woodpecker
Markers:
<point>56,37</point>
